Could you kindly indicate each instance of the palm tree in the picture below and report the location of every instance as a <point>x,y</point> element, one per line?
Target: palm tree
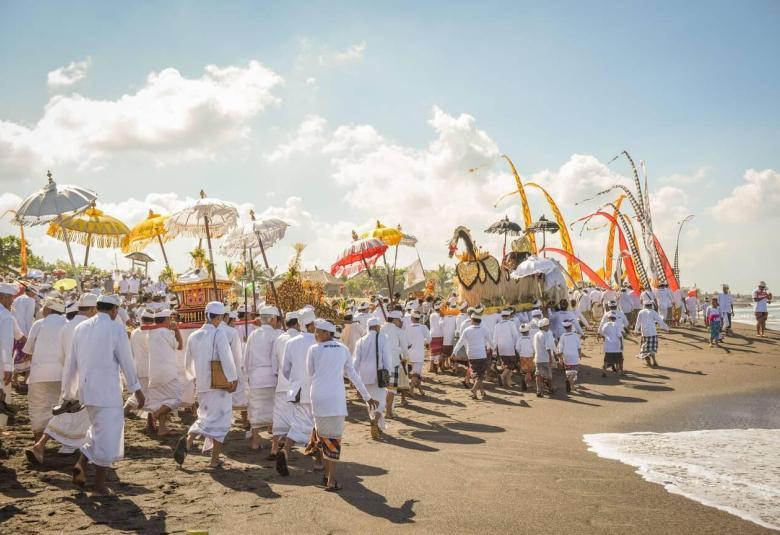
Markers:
<point>443,279</point>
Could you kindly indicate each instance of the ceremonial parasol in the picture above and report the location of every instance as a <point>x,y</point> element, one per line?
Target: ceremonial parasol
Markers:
<point>64,285</point>
<point>359,255</point>
<point>150,229</point>
<point>533,266</point>
<point>392,237</point>
<point>505,227</point>
<point>257,234</point>
<point>50,203</point>
<point>544,226</point>
<point>90,228</point>
<point>206,218</point>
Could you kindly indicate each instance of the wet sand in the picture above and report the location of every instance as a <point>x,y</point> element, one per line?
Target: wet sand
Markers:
<point>512,463</point>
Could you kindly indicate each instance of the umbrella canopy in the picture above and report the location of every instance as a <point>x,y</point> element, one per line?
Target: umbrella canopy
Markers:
<point>91,228</point>
<point>144,233</point>
<point>269,230</point>
<point>388,235</point>
<point>64,285</point>
<point>190,221</point>
<point>544,225</point>
<point>534,265</point>
<point>359,255</point>
<point>51,201</point>
<point>139,257</point>
<point>408,240</point>
<point>504,226</point>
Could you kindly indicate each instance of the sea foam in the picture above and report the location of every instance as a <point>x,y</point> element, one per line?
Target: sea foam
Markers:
<point>735,470</point>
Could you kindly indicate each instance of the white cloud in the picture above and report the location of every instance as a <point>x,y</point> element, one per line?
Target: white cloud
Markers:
<point>68,75</point>
<point>171,117</point>
<point>757,199</point>
<point>353,54</point>
<point>680,178</point>
<point>309,135</point>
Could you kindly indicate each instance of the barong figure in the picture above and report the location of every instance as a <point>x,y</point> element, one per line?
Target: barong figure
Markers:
<point>215,405</point>
<point>328,363</point>
<point>100,348</point>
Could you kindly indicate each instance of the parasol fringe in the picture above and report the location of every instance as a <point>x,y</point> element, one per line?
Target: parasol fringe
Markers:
<point>109,241</point>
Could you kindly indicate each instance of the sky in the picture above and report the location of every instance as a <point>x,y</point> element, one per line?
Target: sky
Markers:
<point>333,115</point>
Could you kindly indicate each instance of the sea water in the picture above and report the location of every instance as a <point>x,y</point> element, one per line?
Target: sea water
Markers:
<point>745,314</point>
<point>735,470</point>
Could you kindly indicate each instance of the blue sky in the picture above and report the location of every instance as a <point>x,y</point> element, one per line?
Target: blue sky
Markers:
<point>691,88</point>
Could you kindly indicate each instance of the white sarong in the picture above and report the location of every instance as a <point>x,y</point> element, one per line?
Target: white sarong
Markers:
<point>379,394</point>
<point>41,397</point>
<point>105,441</point>
<point>261,406</point>
<point>215,414</point>
<point>168,394</point>
<point>69,428</point>
<point>240,402</point>
<point>329,426</point>
<point>302,423</point>
<point>132,404</point>
<point>283,414</point>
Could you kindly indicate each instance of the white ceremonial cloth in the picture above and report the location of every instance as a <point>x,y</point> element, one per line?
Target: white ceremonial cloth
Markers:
<point>505,335</point>
<point>328,364</point>
<point>204,345</point>
<point>215,414</point>
<point>104,443</point>
<point>43,343</point>
<point>240,400</point>
<point>258,357</point>
<point>23,308</point>
<point>41,397</point>
<point>294,364</point>
<point>418,336</point>
<point>365,357</point>
<point>69,428</point>
<point>139,345</point>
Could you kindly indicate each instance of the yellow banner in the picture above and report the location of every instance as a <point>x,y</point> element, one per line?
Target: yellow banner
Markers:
<point>524,201</point>
<point>611,239</point>
<point>566,245</point>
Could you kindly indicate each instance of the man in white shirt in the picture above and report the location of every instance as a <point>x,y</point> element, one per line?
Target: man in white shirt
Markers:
<point>295,372</point>
<point>239,397</point>
<point>524,347</point>
<point>505,335</point>
<point>258,362</point>
<point>419,339</point>
<point>692,307</point>
<point>761,299</point>
<point>352,332</point>
<point>99,349</point>
<point>328,363</point>
<point>124,287</point>
<point>570,350</point>
<point>726,304</point>
<point>7,322</point>
<point>646,322</point>
<point>215,405</point>
<point>23,309</point>
<point>165,388</point>
<point>44,349</point>
<point>663,296</point>
<point>544,355</point>
<point>69,428</point>
<point>476,340</point>
<point>133,286</point>
<point>363,315</point>
<point>283,410</point>
<point>370,356</point>
<point>139,345</point>
<point>612,332</point>
<point>626,304</point>
<point>398,347</point>
<point>437,335</point>
<point>449,326</point>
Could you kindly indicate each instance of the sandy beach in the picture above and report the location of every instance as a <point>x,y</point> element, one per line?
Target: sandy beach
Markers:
<point>513,463</point>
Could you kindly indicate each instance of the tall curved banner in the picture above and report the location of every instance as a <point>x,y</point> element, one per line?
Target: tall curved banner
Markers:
<point>574,267</point>
<point>674,285</point>
<point>611,238</point>
<point>524,202</point>
<point>592,275</point>
<point>625,253</point>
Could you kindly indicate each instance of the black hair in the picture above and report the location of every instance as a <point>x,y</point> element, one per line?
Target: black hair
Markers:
<point>160,320</point>
<point>85,309</point>
<point>105,307</point>
<point>290,323</point>
<point>212,317</point>
<point>71,315</point>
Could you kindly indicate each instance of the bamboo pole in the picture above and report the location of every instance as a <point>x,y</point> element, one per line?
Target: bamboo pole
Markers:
<point>162,247</point>
<point>86,254</point>
<point>211,256</point>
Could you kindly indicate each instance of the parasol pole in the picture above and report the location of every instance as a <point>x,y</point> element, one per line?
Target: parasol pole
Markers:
<point>419,259</point>
<point>504,250</point>
<point>395,263</point>
<point>211,256</point>
<point>246,323</point>
<point>162,247</point>
<point>368,269</point>
<point>86,254</point>
<point>70,255</point>
<point>267,267</point>
<point>252,269</point>
<point>387,275</point>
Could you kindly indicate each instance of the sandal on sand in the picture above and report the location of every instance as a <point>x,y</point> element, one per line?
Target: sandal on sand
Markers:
<point>219,466</point>
<point>281,464</point>
<point>180,453</point>
<point>33,457</point>
<point>335,488</point>
<point>79,478</point>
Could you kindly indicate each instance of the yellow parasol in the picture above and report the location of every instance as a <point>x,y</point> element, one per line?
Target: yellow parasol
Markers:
<point>389,235</point>
<point>91,228</point>
<point>64,285</point>
<point>150,229</point>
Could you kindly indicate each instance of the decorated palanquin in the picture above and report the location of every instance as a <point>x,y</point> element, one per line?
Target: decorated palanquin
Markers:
<point>193,290</point>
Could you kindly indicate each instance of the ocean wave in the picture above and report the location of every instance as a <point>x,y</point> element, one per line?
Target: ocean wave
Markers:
<point>734,470</point>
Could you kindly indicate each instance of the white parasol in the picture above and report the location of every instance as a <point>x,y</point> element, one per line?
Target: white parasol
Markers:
<point>248,236</point>
<point>50,203</point>
<point>533,265</point>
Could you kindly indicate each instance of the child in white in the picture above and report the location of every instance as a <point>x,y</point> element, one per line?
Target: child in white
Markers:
<point>525,350</point>
<point>570,348</point>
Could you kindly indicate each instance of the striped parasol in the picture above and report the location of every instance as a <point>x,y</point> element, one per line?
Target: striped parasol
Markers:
<point>358,256</point>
